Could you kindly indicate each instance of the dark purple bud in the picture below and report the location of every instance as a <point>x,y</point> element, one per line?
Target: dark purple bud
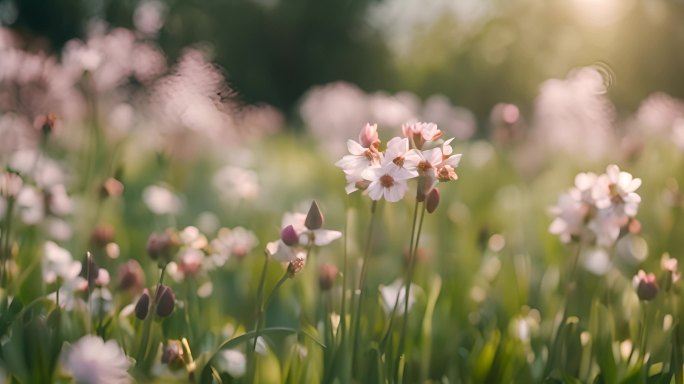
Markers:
<point>166,301</point>
<point>142,307</point>
<point>89,269</point>
<point>314,219</point>
<point>162,246</point>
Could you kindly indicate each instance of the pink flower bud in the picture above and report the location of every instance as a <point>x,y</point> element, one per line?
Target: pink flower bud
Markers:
<point>326,276</point>
<point>369,136</point>
<point>289,236</point>
<point>432,200</point>
<point>131,276</point>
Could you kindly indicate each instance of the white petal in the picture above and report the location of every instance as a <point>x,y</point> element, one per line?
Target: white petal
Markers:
<point>325,237</point>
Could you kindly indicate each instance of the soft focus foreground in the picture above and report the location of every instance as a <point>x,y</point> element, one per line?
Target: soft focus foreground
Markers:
<point>156,229</point>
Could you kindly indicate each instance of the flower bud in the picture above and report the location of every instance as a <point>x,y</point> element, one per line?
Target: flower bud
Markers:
<point>326,276</point>
<point>162,246</point>
<point>369,136</point>
<point>314,219</point>
<point>289,236</point>
<point>646,285</point>
<point>142,307</point>
<point>111,188</point>
<point>295,266</point>
<point>172,355</point>
<point>102,235</point>
<point>89,269</point>
<point>131,276</point>
<point>432,200</point>
<point>10,184</point>
<point>166,301</point>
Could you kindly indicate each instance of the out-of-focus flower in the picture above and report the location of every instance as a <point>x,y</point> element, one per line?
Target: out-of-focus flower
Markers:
<point>236,183</point>
<point>232,362</point>
<point>92,361</point>
<point>161,201</point>
<point>232,242</point>
<point>573,115</point>
<point>131,276</point>
<point>149,17</point>
<point>670,270</point>
<point>58,264</point>
<point>389,294</point>
<point>646,285</point>
<point>597,208</point>
<point>163,246</point>
<point>659,112</point>
<point>326,276</point>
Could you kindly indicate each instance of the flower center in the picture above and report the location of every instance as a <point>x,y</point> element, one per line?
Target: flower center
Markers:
<point>387,181</point>
<point>424,166</point>
<point>399,160</point>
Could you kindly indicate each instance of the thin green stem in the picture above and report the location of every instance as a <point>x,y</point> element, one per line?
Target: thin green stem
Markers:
<point>361,285</point>
<point>147,325</point>
<point>6,242</point>
<point>407,291</point>
<point>388,332</point>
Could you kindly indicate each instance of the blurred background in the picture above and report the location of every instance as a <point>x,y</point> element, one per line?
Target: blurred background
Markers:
<point>477,53</point>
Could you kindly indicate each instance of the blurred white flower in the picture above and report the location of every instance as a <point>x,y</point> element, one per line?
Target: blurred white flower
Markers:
<point>615,190</point>
<point>149,16</point>
<point>236,242</point>
<point>31,205</point>
<point>573,115</point>
<point>57,263</point>
<point>236,183</point>
<point>92,361</point>
<point>161,201</point>
<point>232,362</point>
<point>389,293</point>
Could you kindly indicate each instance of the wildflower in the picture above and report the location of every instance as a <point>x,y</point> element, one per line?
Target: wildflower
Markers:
<point>58,264</point>
<point>232,362</point>
<point>161,201</point>
<point>645,285</point>
<point>419,133</point>
<point>236,242</point>
<point>399,154</point>
<point>296,265</point>
<point>389,294</point>
<point>326,276</point>
<point>388,182</point>
<point>358,160</point>
<point>130,276</point>
<point>92,361</point>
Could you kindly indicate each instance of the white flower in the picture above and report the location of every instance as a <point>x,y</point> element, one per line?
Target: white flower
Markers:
<point>161,201</point>
<point>92,361</point>
<point>234,182</point>
<point>388,181</point>
<point>232,362</point>
<point>58,264</point>
<point>616,189</point>
<point>389,293</point>
<point>399,154</point>
<point>358,160</point>
<point>570,215</point>
<point>236,242</point>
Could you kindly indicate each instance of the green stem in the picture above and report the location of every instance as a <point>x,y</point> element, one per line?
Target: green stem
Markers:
<point>147,326</point>
<point>6,243</point>
<point>385,338</point>
<point>356,315</point>
<point>260,309</point>
<point>407,293</point>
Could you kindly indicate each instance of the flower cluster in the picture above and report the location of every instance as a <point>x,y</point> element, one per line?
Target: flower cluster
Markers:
<point>597,208</point>
<point>420,153</point>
